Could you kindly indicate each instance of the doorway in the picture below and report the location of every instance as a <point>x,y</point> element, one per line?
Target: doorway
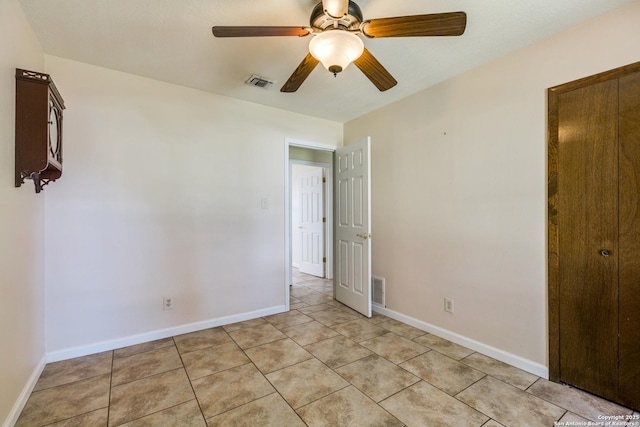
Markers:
<point>308,156</point>
<point>594,234</point>
<point>352,209</point>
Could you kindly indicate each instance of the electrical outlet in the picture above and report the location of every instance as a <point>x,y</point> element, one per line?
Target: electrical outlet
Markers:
<point>448,305</point>
<point>167,303</point>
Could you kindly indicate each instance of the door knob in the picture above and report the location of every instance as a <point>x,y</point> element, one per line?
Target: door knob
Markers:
<point>605,252</point>
<point>364,235</point>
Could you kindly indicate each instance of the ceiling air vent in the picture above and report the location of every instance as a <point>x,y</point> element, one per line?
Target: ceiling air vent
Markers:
<point>260,82</point>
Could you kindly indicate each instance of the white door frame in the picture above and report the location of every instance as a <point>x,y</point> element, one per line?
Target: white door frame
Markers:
<point>290,142</point>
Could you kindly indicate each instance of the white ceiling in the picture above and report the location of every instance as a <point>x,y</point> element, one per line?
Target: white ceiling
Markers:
<point>171,41</point>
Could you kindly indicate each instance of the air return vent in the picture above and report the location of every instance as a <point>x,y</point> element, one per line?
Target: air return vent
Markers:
<point>377,284</point>
<point>260,82</point>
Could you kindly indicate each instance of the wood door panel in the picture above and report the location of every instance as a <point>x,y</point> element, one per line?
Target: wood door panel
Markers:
<point>587,224</point>
<point>594,331</point>
<point>629,279</point>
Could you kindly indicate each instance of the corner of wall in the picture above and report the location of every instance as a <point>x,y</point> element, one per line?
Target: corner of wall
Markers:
<point>22,231</point>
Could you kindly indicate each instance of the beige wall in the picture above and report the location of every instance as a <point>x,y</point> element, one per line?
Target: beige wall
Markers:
<point>459,196</point>
<point>309,155</point>
<point>162,196</point>
<point>21,228</point>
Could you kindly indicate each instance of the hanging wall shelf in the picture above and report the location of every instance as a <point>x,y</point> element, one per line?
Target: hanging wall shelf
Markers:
<point>38,129</point>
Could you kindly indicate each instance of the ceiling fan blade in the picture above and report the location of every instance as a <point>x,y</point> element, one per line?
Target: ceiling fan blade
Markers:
<point>336,8</point>
<point>259,31</point>
<point>435,24</point>
<point>374,71</point>
<point>300,74</point>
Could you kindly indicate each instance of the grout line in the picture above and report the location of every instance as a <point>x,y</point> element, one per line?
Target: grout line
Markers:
<point>113,360</point>
<point>193,390</point>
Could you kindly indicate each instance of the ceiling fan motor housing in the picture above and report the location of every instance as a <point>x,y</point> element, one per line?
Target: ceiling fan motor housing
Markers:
<point>350,21</point>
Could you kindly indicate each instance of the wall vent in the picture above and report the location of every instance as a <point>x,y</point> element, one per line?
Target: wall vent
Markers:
<point>260,82</point>
<point>378,286</point>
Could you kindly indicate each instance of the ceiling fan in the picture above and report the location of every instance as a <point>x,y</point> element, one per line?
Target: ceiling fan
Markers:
<point>335,25</point>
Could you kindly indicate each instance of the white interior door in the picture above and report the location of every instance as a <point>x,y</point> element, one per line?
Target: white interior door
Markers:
<point>311,222</point>
<point>353,226</point>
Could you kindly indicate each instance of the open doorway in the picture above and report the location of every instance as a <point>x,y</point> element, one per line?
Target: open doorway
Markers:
<point>309,210</point>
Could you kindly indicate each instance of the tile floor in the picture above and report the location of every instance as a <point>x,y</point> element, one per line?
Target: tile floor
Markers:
<point>321,364</point>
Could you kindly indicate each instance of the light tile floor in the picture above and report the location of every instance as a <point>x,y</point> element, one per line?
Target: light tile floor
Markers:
<point>321,364</point>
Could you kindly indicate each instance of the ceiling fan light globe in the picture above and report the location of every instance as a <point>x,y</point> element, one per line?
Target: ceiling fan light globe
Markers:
<point>336,49</point>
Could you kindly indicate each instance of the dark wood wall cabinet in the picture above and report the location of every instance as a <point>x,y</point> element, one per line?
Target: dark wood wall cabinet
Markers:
<point>39,109</point>
<point>594,234</point>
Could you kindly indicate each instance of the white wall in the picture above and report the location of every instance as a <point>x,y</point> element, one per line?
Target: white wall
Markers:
<point>459,187</point>
<point>21,226</point>
<point>161,196</point>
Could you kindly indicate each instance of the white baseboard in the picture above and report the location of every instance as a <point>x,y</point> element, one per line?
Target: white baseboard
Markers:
<point>530,366</point>
<point>85,350</point>
<point>15,412</point>
<point>506,357</point>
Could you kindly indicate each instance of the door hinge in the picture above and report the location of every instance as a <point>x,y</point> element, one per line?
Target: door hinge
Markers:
<point>324,179</point>
<point>324,219</point>
<point>324,259</point>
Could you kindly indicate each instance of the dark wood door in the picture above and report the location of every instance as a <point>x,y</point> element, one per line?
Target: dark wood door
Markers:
<point>588,225</point>
<point>594,234</point>
<point>629,258</point>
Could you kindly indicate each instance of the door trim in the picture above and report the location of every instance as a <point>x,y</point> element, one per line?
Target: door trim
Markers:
<point>291,142</point>
<point>553,93</point>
